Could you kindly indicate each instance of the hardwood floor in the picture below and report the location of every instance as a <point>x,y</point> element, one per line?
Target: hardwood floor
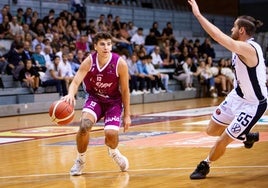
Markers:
<point>164,145</point>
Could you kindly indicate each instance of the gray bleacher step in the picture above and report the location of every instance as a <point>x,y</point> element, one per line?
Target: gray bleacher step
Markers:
<point>14,91</point>
<point>33,98</point>
<point>8,81</point>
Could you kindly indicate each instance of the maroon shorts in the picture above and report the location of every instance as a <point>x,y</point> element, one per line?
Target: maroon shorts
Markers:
<point>111,111</point>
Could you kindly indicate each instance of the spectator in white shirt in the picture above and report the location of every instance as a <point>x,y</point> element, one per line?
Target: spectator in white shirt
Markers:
<point>138,37</point>
<point>66,70</point>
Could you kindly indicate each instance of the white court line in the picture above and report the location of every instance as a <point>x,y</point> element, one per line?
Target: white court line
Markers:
<point>137,170</point>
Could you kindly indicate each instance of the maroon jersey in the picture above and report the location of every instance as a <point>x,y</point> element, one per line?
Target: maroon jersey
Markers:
<point>103,83</point>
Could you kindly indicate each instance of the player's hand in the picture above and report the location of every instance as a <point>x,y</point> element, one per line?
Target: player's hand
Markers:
<point>126,123</point>
<point>70,99</point>
<point>194,6</point>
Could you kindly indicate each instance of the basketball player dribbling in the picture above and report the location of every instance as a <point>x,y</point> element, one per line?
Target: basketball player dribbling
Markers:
<point>105,79</point>
<point>246,103</point>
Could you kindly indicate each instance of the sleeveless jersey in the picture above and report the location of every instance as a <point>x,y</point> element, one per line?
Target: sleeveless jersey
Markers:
<point>103,83</point>
<point>250,82</point>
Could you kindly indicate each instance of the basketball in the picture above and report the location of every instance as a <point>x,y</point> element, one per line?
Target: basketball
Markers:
<point>61,112</point>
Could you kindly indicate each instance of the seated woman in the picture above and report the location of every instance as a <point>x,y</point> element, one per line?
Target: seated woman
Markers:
<point>29,77</point>
<point>205,76</point>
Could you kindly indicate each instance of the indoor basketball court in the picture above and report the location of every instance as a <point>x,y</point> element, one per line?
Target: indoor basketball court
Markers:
<point>164,144</point>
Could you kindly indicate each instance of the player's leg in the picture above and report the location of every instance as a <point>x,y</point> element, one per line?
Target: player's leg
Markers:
<point>215,129</point>
<point>90,114</point>
<point>220,119</point>
<point>215,153</point>
<point>112,124</point>
<point>82,140</point>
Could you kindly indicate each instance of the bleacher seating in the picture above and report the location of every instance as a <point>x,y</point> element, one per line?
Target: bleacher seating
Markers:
<point>13,96</point>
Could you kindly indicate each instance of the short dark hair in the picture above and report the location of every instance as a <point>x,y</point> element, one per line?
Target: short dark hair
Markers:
<point>102,35</point>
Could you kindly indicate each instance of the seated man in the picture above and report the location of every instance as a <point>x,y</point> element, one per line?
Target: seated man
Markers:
<point>183,73</point>
<point>52,77</point>
<point>134,76</point>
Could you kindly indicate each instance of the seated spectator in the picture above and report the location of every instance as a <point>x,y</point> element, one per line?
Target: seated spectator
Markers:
<point>5,29</point>
<point>206,48</point>
<point>66,70</point>
<point>124,31</point>
<point>120,42</point>
<point>39,61</point>
<point>183,73</point>
<point>48,55</point>
<point>157,59</point>
<point>14,60</point>
<point>79,57</point>
<point>226,70</point>
<point>167,32</point>
<point>149,79</point>
<point>150,42</point>
<point>82,44</point>
<point>138,37</point>
<point>39,40</point>
<point>206,77</point>
<point>27,50</point>
<point>14,27</point>
<point>52,77</point>
<point>132,29</point>
<point>157,33</point>
<point>218,77</point>
<point>74,65</point>
<point>166,56</point>
<point>161,79</point>
<point>134,76</point>
<point>3,65</point>
<point>29,77</point>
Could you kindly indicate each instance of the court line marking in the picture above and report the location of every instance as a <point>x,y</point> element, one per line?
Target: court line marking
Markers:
<point>137,170</point>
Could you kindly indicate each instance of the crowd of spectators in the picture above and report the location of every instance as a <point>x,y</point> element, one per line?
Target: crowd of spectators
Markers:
<point>56,46</point>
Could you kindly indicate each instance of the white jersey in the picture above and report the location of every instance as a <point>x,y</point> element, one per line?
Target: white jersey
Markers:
<point>250,82</point>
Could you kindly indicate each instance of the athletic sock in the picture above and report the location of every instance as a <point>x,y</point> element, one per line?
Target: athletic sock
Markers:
<point>81,156</point>
<point>111,151</point>
<point>207,160</point>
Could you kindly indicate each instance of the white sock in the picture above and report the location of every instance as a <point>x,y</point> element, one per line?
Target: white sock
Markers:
<point>81,156</point>
<point>207,160</point>
<point>115,150</point>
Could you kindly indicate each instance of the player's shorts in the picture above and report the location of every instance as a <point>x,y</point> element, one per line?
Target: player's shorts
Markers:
<point>110,111</point>
<point>238,115</point>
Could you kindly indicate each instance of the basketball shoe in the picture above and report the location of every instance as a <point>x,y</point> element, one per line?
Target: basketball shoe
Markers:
<point>119,159</point>
<point>77,168</point>
<point>201,171</point>
<point>250,139</point>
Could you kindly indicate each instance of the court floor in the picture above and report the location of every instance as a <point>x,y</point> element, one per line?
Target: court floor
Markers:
<point>164,144</point>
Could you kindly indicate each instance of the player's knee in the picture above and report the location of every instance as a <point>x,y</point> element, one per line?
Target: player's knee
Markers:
<point>111,137</point>
<point>86,125</point>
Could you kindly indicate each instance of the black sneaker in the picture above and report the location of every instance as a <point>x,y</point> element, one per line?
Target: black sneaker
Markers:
<point>250,139</point>
<point>201,171</point>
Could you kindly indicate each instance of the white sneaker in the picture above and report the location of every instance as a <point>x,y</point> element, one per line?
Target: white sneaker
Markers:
<point>139,92</point>
<point>154,91</point>
<point>77,168</point>
<point>146,91</point>
<point>187,89</point>
<point>134,92</point>
<point>119,159</point>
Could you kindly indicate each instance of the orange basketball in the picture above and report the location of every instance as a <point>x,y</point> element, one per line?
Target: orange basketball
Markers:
<point>61,112</point>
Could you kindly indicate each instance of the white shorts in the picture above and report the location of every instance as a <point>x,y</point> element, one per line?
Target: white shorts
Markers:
<point>238,115</point>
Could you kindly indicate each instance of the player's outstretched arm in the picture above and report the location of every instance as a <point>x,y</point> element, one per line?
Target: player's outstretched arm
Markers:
<point>238,47</point>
